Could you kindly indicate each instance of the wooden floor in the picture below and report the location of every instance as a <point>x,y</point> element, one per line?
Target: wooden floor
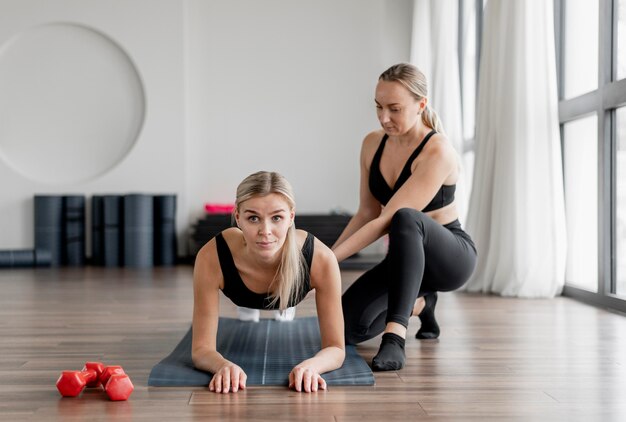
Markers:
<point>504,359</point>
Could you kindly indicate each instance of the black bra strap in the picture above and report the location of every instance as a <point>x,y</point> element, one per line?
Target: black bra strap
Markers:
<point>406,171</point>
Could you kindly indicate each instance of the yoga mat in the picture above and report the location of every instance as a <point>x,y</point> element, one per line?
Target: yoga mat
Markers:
<point>138,231</point>
<point>49,226</point>
<point>17,258</point>
<point>97,230</point>
<point>74,230</point>
<point>266,350</point>
<point>42,258</point>
<point>112,232</point>
<point>24,258</point>
<point>165,230</point>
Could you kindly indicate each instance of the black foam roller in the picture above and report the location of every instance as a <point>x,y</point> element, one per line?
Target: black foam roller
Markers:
<point>42,258</point>
<point>165,230</point>
<point>138,231</point>
<point>17,258</point>
<point>49,226</point>
<point>97,230</point>
<point>74,230</point>
<point>112,233</point>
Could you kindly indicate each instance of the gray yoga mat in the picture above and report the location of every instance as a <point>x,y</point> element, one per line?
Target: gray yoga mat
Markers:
<point>266,350</point>
<point>97,230</point>
<point>138,231</point>
<point>164,230</point>
<point>24,258</point>
<point>112,231</point>
<point>49,226</point>
<point>74,230</point>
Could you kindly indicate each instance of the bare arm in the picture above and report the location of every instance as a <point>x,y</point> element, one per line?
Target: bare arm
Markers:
<point>369,207</point>
<point>206,286</point>
<point>326,280</point>
<point>436,162</point>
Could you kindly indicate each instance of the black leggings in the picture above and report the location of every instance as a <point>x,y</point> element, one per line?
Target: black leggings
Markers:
<point>423,257</point>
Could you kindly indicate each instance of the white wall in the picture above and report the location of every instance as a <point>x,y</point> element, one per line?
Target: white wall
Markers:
<point>287,86</point>
<point>231,87</point>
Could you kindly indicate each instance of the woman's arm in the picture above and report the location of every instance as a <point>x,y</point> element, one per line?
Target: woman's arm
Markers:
<point>436,162</point>
<point>206,286</point>
<point>369,207</point>
<point>326,280</point>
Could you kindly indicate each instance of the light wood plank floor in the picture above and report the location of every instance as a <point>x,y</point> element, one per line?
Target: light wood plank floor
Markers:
<point>497,358</point>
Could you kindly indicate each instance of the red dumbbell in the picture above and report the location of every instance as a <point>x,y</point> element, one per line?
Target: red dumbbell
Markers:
<point>96,366</point>
<point>72,383</point>
<point>119,387</point>
<point>108,371</point>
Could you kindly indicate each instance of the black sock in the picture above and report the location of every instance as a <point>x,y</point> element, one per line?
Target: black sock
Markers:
<point>390,356</point>
<point>429,328</point>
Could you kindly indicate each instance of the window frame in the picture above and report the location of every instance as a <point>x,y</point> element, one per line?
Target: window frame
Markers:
<point>610,95</point>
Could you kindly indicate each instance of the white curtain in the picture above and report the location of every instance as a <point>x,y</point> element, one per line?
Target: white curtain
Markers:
<point>434,51</point>
<point>516,213</point>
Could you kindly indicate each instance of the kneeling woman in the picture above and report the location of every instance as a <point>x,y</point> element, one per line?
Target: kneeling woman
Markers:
<point>265,263</point>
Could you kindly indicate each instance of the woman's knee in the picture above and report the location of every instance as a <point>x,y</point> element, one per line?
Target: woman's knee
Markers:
<point>407,219</point>
<point>356,332</point>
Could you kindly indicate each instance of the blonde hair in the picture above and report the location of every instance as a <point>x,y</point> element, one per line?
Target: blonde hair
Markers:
<point>291,270</point>
<point>414,80</point>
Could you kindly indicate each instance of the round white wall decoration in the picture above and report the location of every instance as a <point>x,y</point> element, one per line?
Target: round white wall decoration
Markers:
<point>72,103</point>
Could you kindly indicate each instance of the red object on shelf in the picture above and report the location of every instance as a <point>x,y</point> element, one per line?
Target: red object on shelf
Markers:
<point>212,208</point>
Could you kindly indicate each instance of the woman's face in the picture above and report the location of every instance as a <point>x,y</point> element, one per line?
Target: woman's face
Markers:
<point>397,109</point>
<point>264,221</point>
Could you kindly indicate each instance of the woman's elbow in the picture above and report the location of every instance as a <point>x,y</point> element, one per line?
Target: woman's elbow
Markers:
<point>341,355</point>
<point>198,355</point>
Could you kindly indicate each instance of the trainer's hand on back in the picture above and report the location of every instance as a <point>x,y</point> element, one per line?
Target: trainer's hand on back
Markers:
<point>304,378</point>
<point>229,378</point>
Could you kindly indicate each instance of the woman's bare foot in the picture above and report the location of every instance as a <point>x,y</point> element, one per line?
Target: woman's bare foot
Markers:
<point>420,303</point>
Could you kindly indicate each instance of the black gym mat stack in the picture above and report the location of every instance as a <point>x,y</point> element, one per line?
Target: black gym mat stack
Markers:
<point>106,230</point>
<point>206,228</point>
<point>73,230</point>
<point>326,227</point>
<point>135,230</point>
<point>165,230</point>
<point>49,226</point>
<point>24,258</point>
<point>138,231</point>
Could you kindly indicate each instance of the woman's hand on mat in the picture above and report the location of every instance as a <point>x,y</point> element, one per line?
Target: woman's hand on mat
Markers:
<point>305,378</point>
<point>229,378</point>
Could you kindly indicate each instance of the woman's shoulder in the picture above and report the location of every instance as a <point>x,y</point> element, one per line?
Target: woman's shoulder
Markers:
<point>323,265</point>
<point>231,234</point>
<point>207,260</point>
<point>208,252</point>
<point>370,144</point>
<point>318,246</point>
<point>439,146</point>
<point>373,139</point>
<point>302,236</point>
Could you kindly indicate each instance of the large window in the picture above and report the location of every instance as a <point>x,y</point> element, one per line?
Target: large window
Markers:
<point>591,57</point>
<point>620,206</point>
<point>581,196</point>
<point>580,48</point>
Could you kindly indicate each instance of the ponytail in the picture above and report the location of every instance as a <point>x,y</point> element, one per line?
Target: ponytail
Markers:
<point>431,119</point>
<point>290,273</point>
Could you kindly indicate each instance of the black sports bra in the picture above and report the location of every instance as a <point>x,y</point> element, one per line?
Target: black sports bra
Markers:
<point>383,193</point>
<point>236,290</point>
